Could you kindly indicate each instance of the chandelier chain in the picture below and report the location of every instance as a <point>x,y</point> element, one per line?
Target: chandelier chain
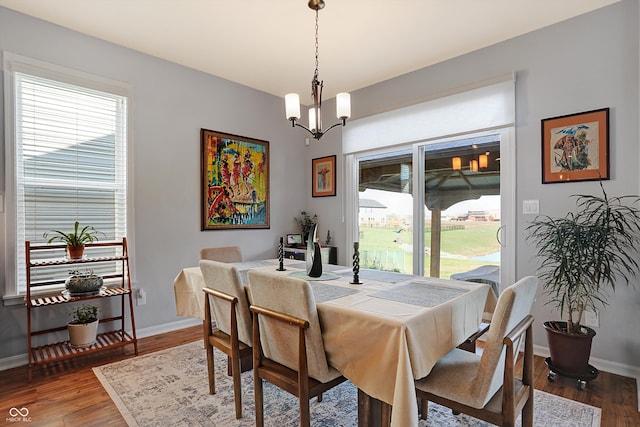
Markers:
<point>315,75</point>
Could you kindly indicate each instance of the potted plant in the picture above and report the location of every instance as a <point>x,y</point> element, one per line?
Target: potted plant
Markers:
<point>582,255</point>
<point>306,222</point>
<point>83,283</point>
<point>83,326</point>
<point>75,240</point>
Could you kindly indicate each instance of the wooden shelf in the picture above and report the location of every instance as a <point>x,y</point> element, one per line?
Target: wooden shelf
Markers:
<point>63,350</point>
<point>37,300</point>
<point>62,299</point>
<point>65,261</point>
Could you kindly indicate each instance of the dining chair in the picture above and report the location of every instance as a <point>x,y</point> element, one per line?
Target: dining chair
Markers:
<point>226,298</point>
<point>485,386</point>
<point>222,254</point>
<point>288,350</point>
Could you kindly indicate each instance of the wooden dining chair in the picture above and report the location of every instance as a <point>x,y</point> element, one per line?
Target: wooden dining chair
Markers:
<point>222,254</point>
<point>288,350</point>
<point>485,386</point>
<point>226,298</point>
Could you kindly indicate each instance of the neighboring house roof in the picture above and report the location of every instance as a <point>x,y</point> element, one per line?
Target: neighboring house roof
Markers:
<point>369,203</point>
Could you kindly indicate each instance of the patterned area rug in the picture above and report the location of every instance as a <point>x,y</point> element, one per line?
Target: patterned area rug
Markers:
<point>170,387</point>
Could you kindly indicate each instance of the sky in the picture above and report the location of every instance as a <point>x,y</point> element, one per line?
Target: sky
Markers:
<point>402,204</point>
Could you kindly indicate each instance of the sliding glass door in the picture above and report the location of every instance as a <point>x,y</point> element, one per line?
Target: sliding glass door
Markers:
<point>461,206</point>
<point>434,208</point>
<point>385,211</point>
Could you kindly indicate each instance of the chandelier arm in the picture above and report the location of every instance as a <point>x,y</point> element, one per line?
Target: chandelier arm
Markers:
<point>340,123</point>
<point>318,134</point>
<point>293,123</point>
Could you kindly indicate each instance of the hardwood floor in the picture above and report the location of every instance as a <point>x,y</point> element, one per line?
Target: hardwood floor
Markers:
<point>69,394</point>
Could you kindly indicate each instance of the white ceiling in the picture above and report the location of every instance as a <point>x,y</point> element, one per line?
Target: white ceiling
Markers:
<point>269,45</point>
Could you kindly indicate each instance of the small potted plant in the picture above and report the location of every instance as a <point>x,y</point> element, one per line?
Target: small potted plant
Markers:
<point>83,283</point>
<point>582,256</point>
<point>306,222</point>
<point>83,326</point>
<point>75,240</point>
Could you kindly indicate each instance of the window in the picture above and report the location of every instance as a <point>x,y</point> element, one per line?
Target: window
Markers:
<point>486,111</point>
<point>67,145</point>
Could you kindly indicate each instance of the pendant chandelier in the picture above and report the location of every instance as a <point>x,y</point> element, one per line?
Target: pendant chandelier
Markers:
<point>292,100</point>
<point>474,164</point>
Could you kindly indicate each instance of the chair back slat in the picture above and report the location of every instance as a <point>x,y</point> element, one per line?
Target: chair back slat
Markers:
<point>225,278</point>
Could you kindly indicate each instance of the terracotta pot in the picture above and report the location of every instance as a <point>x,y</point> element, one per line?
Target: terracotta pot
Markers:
<point>569,352</point>
<point>75,252</point>
<point>82,335</point>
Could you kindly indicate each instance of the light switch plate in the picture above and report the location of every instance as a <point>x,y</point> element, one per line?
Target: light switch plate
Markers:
<point>531,207</point>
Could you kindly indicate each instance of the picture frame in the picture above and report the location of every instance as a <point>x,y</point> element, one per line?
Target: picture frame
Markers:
<point>323,176</point>
<point>234,181</point>
<point>575,147</point>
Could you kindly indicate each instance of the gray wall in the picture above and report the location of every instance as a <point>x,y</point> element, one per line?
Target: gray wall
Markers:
<point>170,105</point>
<point>585,63</point>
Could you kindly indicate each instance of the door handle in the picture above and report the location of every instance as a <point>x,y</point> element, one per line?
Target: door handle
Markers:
<point>498,233</point>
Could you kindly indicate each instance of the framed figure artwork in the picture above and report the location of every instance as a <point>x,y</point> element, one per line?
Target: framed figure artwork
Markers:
<point>324,176</point>
<point>575,147</point>
<point>234,181</point>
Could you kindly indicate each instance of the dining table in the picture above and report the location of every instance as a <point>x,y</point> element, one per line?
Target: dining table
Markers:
<point>381,334</point>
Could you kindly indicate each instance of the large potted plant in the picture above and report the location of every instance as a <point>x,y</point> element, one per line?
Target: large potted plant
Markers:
<point>75,240</point>
<point>582,256</point>
<point>83,326</point>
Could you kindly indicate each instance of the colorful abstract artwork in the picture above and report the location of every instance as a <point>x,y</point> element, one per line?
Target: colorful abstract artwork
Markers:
<point>575,147</point>
<point>324,176</point>
<point>235,181</point>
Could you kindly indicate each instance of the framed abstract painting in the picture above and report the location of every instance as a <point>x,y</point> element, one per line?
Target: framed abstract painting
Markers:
<point>575,147</point>
<point>235,181</point>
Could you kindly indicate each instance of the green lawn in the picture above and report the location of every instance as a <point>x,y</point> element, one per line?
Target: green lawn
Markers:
<point>388,249</point>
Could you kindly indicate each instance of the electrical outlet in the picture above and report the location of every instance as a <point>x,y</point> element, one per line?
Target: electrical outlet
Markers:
<point>591,319</point>
<point>141,296</point>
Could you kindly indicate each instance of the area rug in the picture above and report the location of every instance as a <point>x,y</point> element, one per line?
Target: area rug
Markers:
<point>170,387</point>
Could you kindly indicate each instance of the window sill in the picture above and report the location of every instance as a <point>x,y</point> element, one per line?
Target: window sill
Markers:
<point>10,300</point>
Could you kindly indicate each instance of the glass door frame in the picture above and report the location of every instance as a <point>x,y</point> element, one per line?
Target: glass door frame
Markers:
<point>506,233</point>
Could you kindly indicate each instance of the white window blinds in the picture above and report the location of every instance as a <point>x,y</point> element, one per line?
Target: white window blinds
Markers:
<point>70,161</point>
<point>487,107</point>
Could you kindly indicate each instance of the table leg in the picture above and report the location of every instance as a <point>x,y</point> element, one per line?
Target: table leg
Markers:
<point>372,412</point>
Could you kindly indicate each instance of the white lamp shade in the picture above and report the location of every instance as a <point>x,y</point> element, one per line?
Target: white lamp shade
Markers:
<point>312,119</point>
<point>292,106</point>
<point>343,105</point>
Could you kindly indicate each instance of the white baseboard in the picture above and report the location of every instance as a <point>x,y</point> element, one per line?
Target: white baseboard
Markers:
<point>167,327</point>
<point>23,359</point>
<point>603,365</point>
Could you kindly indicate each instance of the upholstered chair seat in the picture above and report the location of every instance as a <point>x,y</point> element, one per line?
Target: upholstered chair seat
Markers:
<point>484,386</point>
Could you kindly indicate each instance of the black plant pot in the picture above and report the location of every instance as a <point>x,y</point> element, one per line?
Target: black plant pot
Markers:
<point>569,352</point>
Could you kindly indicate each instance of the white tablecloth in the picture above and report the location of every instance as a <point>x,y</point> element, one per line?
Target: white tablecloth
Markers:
<point>383,334</point>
